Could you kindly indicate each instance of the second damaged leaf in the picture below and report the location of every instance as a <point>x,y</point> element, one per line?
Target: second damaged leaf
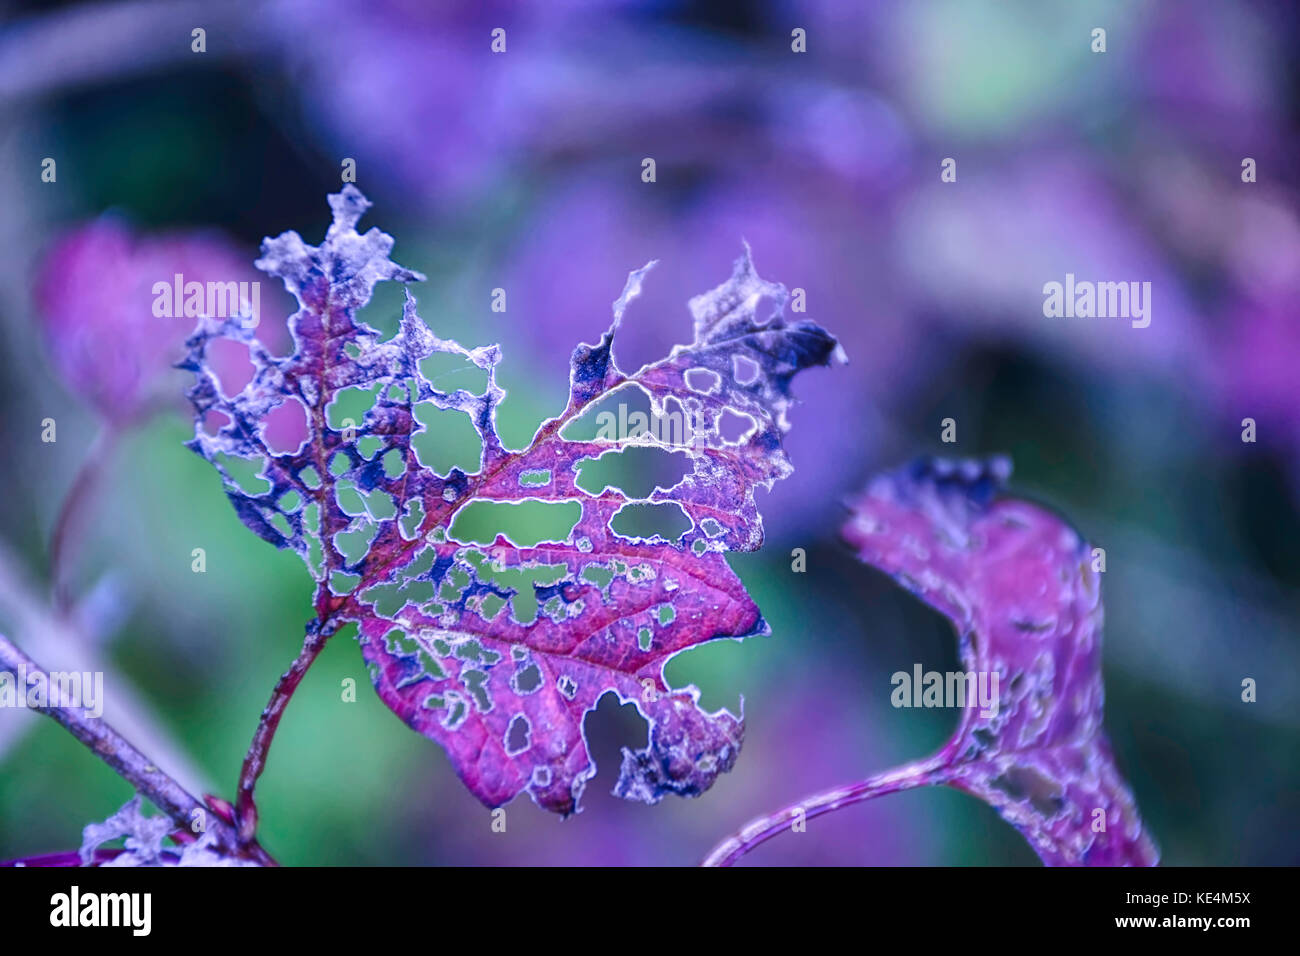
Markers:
<point>1015,581</point>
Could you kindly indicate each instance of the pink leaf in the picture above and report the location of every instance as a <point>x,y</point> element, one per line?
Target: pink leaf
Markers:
<point>95,295</point>
<point>1018,584</point>
<point>499,650</point>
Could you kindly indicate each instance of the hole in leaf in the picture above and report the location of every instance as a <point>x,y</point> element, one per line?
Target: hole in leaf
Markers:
<point>745,370</point>
<point>342,583</point>
<point>420,566</point>
<point>767,308</point>
<point>535,477</point>
<point>353,545</point>
<point>634,471</point>
<point>677,425</point>
<point>447,372</point>
<point>380,505</point>
<point>734,427</point>
<point>523,582</point>
<point>412,518</point>
<point>400,644</point>
<point>527,679</point>
<point>517,735</point>
<point>597,575</point>
<point>311,527</point>
<point>610,418</point>
<point>475,652</point>
<point>349,407</point>
<point>214,421</point>
<point>645,520</point>
<point>245,473</point>
<point>525,523</point>
<point>384,310</point>
<point>234,369</point>
<point>447,440</point>
<point>457,710</point>
<point>420,593</point>
<point>286,427</point>
<point>453,585</point>
<point>475,682</point>
<point>394,463</point>
<point>386,598</point>
<point>703,380</point>
<point>349,498</point>
<point>491,606</point>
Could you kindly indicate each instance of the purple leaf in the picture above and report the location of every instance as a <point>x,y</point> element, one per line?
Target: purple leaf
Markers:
<point>1017,583</point>
<point>499,650</point>
<point>95,296</point>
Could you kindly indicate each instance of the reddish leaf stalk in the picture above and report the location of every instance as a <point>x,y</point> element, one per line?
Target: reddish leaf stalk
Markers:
<point>923,773</point>
<point>76,504</point>
<point>318,633</point>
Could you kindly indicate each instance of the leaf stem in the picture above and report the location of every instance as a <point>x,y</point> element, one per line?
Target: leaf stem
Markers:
<point>72,512</point>
<point>931,770</point>
<point>129,763</point>
<point>318,632</point>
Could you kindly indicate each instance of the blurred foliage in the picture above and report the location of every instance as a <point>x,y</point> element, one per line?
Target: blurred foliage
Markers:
<point>228,145</point>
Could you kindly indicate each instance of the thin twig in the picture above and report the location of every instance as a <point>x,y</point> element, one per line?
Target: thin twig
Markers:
<point>129,763</point>
<point>318,633</point>
<point>922,773</point>
<point>59,641</point>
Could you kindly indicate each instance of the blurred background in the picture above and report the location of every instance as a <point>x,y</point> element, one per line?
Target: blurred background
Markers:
<point>522,170</point>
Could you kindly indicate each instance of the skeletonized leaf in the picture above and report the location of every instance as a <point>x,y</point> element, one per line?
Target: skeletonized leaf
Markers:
<point>499,650</point>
